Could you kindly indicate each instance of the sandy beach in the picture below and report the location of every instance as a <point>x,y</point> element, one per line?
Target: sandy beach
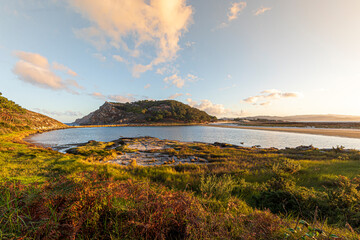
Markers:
<point>349,133</point>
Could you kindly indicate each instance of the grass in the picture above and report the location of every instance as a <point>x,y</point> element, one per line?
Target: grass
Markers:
<point>242,193</point>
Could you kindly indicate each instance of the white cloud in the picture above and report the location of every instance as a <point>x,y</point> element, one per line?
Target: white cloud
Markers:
<point>235,10</point>
<point>159,23</point>
<point>35,69</point>
<point>178,81</point>
<point>176,95</point>
<point>213,109</point>
<point>147,86</point>
<point>266,97</point>
<point>261,10</point>
<point>175,80</point>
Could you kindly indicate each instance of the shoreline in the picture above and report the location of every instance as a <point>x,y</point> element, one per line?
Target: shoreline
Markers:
<point>334,132</point>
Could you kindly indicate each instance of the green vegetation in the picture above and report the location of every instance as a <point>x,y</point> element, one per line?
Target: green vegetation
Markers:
<point>15,118</point>
<point>165,111</point>
<point>241,193</point>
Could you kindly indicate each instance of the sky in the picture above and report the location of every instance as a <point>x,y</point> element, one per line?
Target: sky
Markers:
<point>65,58</point>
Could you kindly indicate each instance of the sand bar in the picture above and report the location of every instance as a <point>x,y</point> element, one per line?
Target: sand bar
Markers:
<point>349,133</point>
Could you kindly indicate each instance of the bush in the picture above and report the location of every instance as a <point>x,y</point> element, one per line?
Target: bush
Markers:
<point>217,187</point>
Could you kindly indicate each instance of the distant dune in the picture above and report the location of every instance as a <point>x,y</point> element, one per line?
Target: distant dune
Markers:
<point>312,118</point>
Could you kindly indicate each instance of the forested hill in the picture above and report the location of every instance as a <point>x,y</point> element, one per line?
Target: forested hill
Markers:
<point>15,118</point>
<point>165,111</point>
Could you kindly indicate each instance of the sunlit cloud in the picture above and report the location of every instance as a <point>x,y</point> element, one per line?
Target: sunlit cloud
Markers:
<point>35,69</point>
<point>261,10</point>
<point>235,10</point>
<point>159,23</point>
<point>176,95</point>
<point>60,67</point>
<point>178,81</point>
<point>213,109</point>
<point>268,96</point>
<point>233,13</point>
<point>147,86</point>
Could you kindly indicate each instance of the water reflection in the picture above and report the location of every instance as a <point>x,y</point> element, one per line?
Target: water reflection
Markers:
<point>194,133</point>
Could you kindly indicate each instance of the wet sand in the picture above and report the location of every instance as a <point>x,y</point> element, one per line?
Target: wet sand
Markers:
<point>349,133</point>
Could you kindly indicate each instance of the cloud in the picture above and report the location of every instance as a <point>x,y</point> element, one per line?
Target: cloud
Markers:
<point>60,67</point>
<point>98,95</point>
<point>35,69</point>
<point>213,109</point>
<point>59,114</point>
<point>189,44</point>
<point>122,99</point>
<point>235,10</point>
<point>147,86</point>
<point>115,98</point>
<point>176,95</point>
<point>227,88</point>
<point>261,11</point>
<point>266,97</point>
<point>100,57</point>
<point>175,80</point>
<point>158,23</point>
<point>119,59</point>
<point>178,81</point>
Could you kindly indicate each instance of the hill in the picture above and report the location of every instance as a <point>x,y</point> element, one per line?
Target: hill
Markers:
<point>15,118</point>
<point>165,111</point>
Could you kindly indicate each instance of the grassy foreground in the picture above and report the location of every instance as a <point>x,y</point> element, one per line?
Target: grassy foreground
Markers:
<point>242,193</point>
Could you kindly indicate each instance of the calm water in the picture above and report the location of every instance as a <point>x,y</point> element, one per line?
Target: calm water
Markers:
<point>193,133</point>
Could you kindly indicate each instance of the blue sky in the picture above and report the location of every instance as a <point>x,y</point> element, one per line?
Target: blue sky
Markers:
<point>229,58</point>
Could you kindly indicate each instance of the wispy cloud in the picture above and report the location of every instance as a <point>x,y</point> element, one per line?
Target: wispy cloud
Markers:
<point>59,114</point>
<point>176,95</point>
<point>268,96</point>
<point>159,23</point>
<point>147,86</point>
<point>115,98</point>
<point>99,56</point>
<point>261,10</point>
<point>233,13</point>
<point>119,59</point>
<point>235,10</point>
<point>60,67</point>
<point>36,70</point>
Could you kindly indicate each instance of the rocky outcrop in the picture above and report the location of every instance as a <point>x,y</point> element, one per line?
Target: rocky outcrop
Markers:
<point>144,112</point>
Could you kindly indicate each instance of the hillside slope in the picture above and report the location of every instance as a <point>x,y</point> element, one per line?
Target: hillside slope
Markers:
<point>15,118</point>
<point>166,111</point>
